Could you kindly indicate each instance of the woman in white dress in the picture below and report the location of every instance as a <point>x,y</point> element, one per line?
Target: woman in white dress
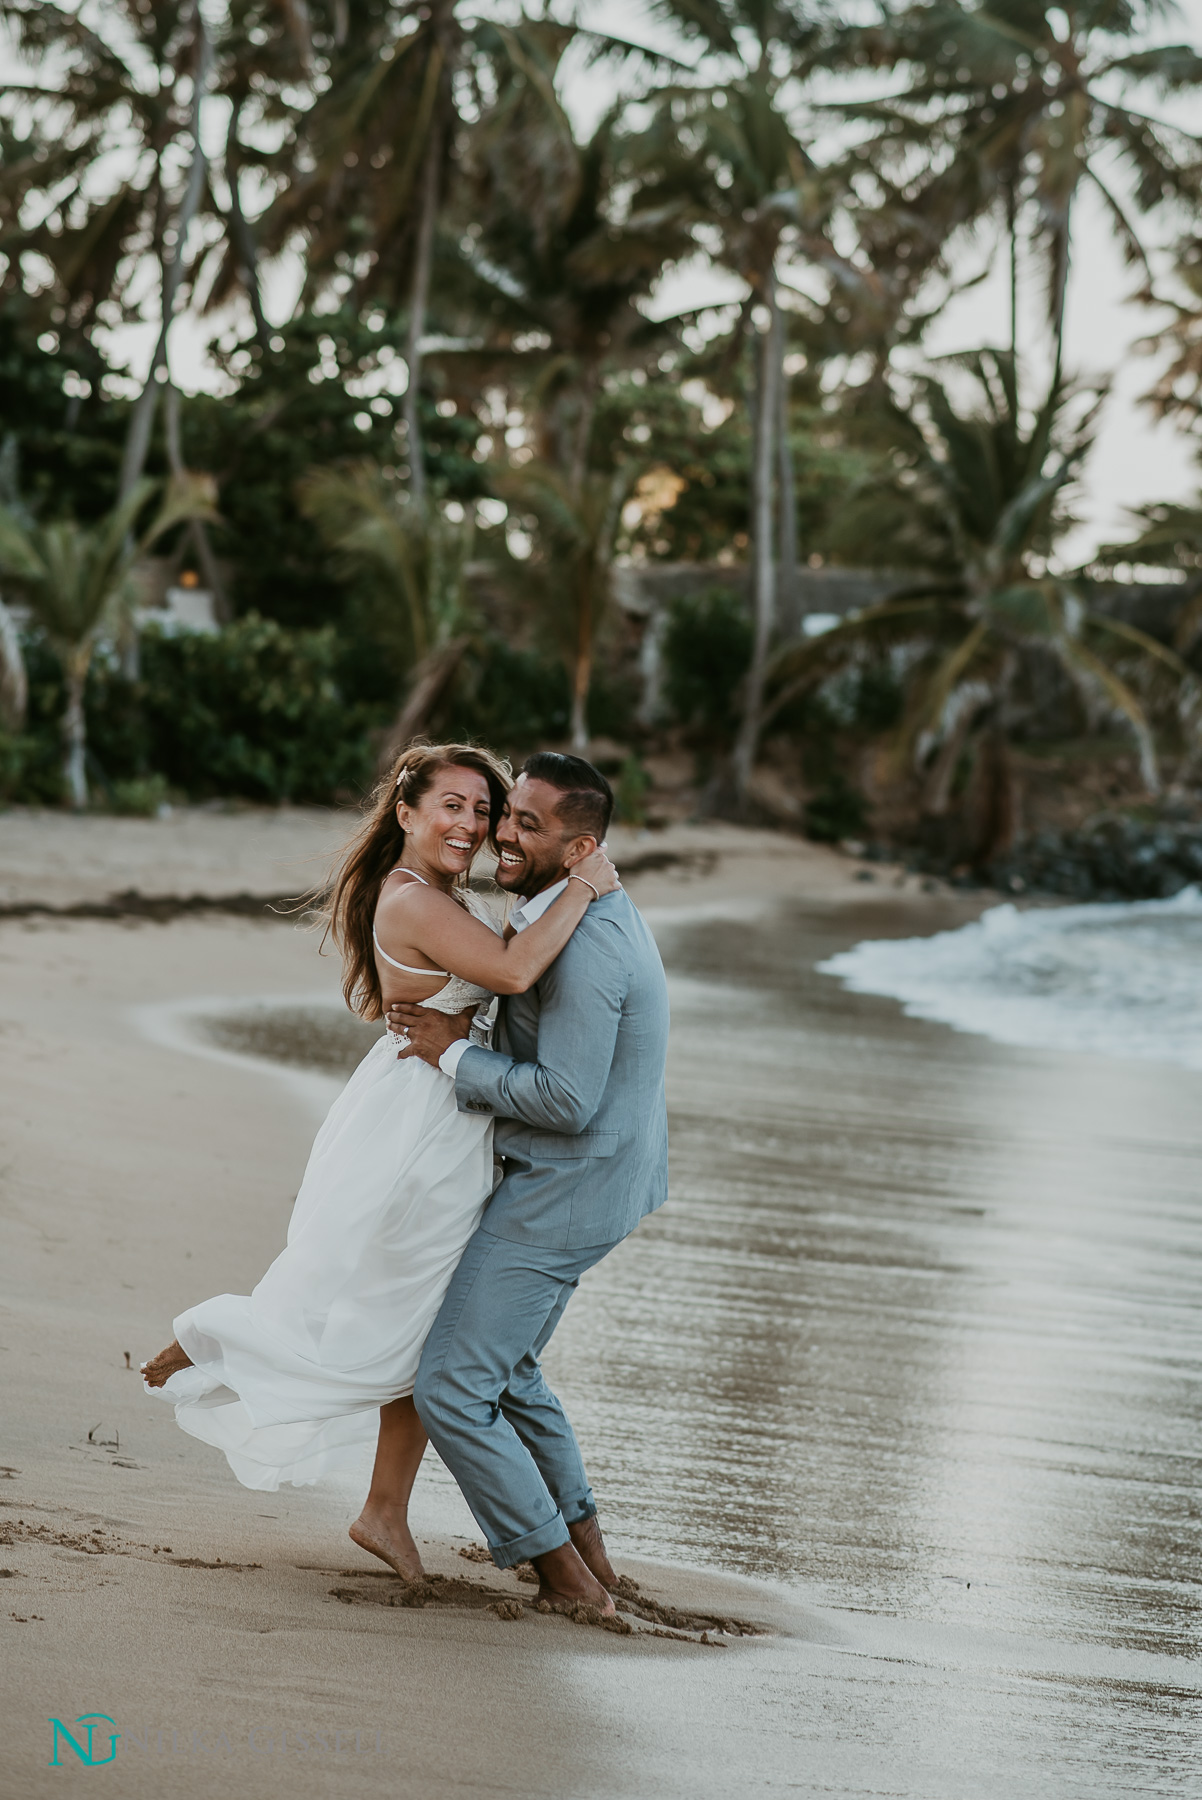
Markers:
<point>292,1380</point>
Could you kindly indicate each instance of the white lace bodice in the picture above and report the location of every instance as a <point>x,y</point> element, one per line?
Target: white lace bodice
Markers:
<point>456,994</point>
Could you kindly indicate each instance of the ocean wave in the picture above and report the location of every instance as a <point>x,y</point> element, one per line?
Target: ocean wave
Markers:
<point>1115,980</point>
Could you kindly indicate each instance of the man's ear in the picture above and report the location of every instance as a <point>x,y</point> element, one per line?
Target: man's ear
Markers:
<point>578,849</point>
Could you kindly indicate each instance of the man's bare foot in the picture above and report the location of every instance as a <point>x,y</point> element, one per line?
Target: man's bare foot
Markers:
<point>564,1583</point>
<point>167,1363</point>
<point>387,1535</point>
<point>590,1545</point>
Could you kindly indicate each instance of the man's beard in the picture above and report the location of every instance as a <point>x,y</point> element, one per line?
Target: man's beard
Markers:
<point>531,878</point>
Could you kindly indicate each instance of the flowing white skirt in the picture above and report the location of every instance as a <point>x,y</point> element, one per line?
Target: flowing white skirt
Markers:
<point>288,1381</point>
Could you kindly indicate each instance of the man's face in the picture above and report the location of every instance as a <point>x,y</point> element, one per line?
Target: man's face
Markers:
<point>531,838</point>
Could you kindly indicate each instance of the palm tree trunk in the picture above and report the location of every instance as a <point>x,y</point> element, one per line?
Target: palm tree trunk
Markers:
<point>582,666</point>
<point>1012,230</point>
<point>592,591</point>
<point>431,679</point>
<point>787,597</point>
<point>651,666</point>
<point>196,527</point>
<point>74,727</point>
<point>937,788</point>
<point>768,365</point>
<point>998,824</point>
<point>1060,252</point>
<point>240,231</point>
<point>582,429</point>
<point>14,684</point>
<point>141,419</point>
<point>419,298</point>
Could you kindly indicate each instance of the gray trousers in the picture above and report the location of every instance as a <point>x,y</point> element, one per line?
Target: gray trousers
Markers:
<point>481,1395</point>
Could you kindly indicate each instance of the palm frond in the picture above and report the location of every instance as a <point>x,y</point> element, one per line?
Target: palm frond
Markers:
<point>1093,673</point>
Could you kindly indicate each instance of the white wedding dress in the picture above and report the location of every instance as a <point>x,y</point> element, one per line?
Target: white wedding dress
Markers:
<point>288,1381</point>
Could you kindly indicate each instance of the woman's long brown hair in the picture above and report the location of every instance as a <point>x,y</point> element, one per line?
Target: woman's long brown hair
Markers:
<point>350,908</point>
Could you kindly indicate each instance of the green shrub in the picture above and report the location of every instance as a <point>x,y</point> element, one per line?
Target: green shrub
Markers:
<point>515,700</point>
<point>12,759</point>
<point>141,797</point>
<point>32,762</point>
<point>254,710</point>
<point>270,713</point>
<point>837,810</point>
<point>630,793</point>
<point>707,647</point>
<point>507,698</point>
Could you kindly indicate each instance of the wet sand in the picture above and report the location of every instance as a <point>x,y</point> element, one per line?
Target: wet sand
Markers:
<point>905,1373</point>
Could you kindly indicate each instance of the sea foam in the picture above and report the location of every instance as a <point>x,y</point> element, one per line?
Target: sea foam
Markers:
<point>1116,980</point>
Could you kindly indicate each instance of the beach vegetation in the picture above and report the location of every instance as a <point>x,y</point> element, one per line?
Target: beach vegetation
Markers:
<point>80,585</point>
<point>707,651</point>
<point>978,490</point>
<point>485,362</point>
<point>415,552</point>
<point>255,710</point>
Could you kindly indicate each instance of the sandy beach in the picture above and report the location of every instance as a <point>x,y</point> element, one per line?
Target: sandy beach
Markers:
<point>902,1380</point>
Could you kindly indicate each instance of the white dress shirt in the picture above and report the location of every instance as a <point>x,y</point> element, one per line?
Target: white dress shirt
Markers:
<point>523,914</point>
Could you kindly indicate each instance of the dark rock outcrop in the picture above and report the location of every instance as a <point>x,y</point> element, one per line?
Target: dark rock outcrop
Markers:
<point>1110,859</point>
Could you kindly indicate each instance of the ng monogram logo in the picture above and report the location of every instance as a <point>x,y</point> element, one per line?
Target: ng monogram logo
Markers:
<point>95,1738</point>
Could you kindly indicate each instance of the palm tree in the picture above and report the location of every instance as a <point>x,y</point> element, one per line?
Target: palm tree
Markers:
<point>88,233</point>
<point>733,150</point>
<point>1171,537</point>
<point>135,107</point>
<point>133,101</point>
<point>979,502</point>
<point>171,245</point>
<point>1178,391</point>
<point>563,248</point>
<point>367,167</point>
<point>265,69</point>
<point>419,555</point>
<point>575,523</point>
<point>763,186</point>
<point>1032,101</point>
<point>79,582</point>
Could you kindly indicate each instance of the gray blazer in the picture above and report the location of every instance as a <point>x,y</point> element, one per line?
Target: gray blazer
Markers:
<point>577,1087</point>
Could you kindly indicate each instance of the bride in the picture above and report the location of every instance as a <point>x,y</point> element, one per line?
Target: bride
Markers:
<point>292,1380</point>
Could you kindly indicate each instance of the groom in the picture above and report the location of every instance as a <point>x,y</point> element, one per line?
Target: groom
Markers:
<point>577,1090</point>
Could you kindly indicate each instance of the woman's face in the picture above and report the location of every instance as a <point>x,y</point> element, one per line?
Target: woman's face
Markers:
<point>450,822</point>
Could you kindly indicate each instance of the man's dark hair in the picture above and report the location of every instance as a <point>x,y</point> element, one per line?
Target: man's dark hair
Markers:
<point>587,800</point>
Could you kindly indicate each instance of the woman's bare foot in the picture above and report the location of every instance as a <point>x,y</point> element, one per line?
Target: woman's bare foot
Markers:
<point>167,1363</point>
<point>564,1583</point>
<point>386,1534</point>
<point>590,1545</point>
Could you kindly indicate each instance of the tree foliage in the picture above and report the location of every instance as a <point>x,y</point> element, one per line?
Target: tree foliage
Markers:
<point>448,395</point>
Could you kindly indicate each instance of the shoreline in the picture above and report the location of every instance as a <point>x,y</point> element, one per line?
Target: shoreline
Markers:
<point>134,1177</point>
<point>56,864</point>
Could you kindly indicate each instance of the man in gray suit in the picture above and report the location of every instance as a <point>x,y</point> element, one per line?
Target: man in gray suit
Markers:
<point>576,1086</point>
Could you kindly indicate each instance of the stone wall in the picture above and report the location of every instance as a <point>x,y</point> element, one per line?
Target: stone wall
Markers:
<point>644,588</point>
<point>645,591</point>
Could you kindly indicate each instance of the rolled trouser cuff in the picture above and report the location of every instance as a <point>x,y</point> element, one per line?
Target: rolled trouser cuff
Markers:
<point>551,1536</point>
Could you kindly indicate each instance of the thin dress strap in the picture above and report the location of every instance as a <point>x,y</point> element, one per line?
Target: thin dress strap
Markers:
<point>407,967</point>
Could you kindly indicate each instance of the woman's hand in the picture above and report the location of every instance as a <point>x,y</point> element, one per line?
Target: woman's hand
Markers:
<point>598,871</point>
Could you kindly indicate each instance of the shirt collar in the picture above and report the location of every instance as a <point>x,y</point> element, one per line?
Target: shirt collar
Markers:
<point>527,911</point>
